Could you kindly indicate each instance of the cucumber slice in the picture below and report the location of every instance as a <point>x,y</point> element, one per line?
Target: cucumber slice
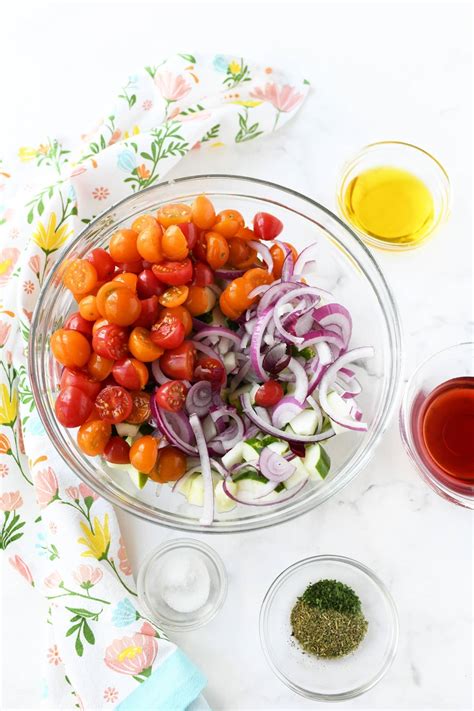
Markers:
<point>252,488</point>
<point>305,423</point>
<point>316,461</point>
<point>125,429</point>
<point>183,486</point>
<point>138,478</point>
<point>279,447</point>
<point>342,407</point>
<point>249,453</point>
<point>252,475</point>
<point>222,501</point>
<point>209,428</point>
<point>233,456</point>
<point>195,495</point>
<point>298,476</point>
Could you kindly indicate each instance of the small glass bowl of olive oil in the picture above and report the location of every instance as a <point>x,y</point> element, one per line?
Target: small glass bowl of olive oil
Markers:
<point>394,195</point>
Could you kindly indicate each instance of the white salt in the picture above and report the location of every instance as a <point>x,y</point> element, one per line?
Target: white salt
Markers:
<point>184,582</point>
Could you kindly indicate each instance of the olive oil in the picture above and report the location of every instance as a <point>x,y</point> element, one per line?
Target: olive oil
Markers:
<point>391,205</point>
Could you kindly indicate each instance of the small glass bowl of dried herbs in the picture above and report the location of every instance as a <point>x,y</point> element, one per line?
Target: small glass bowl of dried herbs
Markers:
<point>329,628</point>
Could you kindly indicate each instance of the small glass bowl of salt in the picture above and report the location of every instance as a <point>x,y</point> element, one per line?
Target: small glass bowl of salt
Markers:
<point>182,584</point>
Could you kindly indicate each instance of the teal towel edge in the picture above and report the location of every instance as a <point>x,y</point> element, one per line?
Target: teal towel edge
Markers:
<point>173,686</point>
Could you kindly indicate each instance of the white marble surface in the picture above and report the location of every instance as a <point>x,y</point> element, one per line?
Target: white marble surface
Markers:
<point>379,71</point>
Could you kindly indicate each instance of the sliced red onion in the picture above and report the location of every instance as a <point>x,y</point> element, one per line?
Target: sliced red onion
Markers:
<point>285,299</point>
<point>232,433</point>
<point>332,315</point>
<point>158,374</point>
<point>186,476</point>
<point>274,292</point>
<point>273,466</point>
<point>285,410</point>
<point>258,291</point>
<point>281,434</point>
<point>328,379</point>
<point>276,358</point>
<point>239,376</point>
<point>305,257</point>
<point>229,274</point>
<point>315,378</point>
<point>207,350</point>
<point>219,468</point>
<point>324,353</point>
<point>175,427</point>
<point>301,380</point>
<point>258,501</point>
<point>323,335</point>
<point>288,266</point>
<point>208,508</point>
<point>263,251</point>
<point>218,332</point>
<point>256,343</point>
<point>199,398</point>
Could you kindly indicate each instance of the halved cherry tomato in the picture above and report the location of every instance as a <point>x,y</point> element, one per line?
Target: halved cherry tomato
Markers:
<point>149,242</point>
<point>173,214</point>
<point>117,451</point>
<point>239,251</point>
<point>103,263</point>
<point>76,322</point>
<point>149,312</point>
<point>111,341</point>
<point>123,246</point>
<point>148,285</point>
<point>202,213</point>
<point>142,347</point>
<point>121,307</point>
<point>269,394</point>
<point>168,332</point>
<point>88,308</point>
<point>184,316</point>
<point>143,221</point>
<point>130,373</point>
<point>279,256</point>
<point>99,367</point>
<point>128,279</point>
<point>170,465</point>
<point>143,453</point>
<point>108,288</point>
<point>217,250</point>
<point>93,437</point>
<point>236,295</point>
<point>82,380</point>
<point>70,348</point>
<point>257,277</point>
<point>73,406</point>
<point>171,396</point>
<point>174,296</point>
<point>203,274</point>
<point>113,404</point>
<point>245,233</point>
<point>190,231</point>
<point>80,276</point>
<point>228,223</point>
<point>174,273</point>
<point>210,369</point>
<point>134,267</point>
<point>178,363</point>
<point>174,244</point>
<point>200,248</point>
<point>266,226</point>
<point>227,309</point>
<point>141,410</point>
<point>201,299</point>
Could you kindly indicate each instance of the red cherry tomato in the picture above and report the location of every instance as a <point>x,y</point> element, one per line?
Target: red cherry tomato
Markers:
<point>111,341</point>
<point>171,396</point>
<point>266,226</point>
<point>103,263</point>
<point>178,363</point>
<point>132,267</point>
<point>269,394</point>
<point>73,406</point>
<point>117,451</point>
<point>203,274</point>
<point>113,404</point>
<point>168,331</point>
<point>174,273</point>
<point>76,322</point>
<point>190,231</point>
<point>210,369</point>
<point>148,285</point>
<point>200,248</point>
<point>80,379</point>
<point>149,312</point>
<point>130,373</point>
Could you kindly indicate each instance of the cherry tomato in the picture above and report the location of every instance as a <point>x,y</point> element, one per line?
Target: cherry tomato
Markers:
<point>269,394</point>
<point>93,437</point>
<point>134,267</point>
<point>143,221</point>
<point>102,262</point>
<point>82,380</point>
<point>73,406</point>
<point>102,295</point>
<point>141,411</point>
<point>178,363</point>
<point>279,256</point>
<point>184,316</point>
<point>202,213</point>
<point>130,373</point>
<point>80,276</point>
<point>128,279</point>
<point>217,250</point>
<point>174,273</point>
<point>123,246</point>
<point>236,295</point>
<point>210,369</point>
<point>257,277</point>
<point>228,223</point>
<point>70,348</point>
<point>142,347</point>
<point>121,306</point>
<point>113,404</point>
<point>174,296</point>
<point>148,285</point>
<point>190,231</point>
<point>76,322</point>
<point>266,226</point>
<point>150,243</point>
<point>245,233</point>
<point>203,274</point>
<point>98,324</point>
<point>168,332</point>
<point>174,244</point>
<point>173,214</point>
<point>117,451</point>
<point>201,299</point>
<point>143,453</point>
<point>227,309</point>
<point>170,465</point>
<point>149,312</point>
<point>171,396</point>
<point>200,248</point>
<point>88,308</point>
<point>111,341</point>
<point>99,367</point>
<point>239,251</point>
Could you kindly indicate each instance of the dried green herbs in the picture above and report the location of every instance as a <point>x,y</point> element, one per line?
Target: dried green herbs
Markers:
<point>327,619</point>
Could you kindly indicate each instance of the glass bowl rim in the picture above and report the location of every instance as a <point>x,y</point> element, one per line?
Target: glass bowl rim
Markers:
<point>391,319</point>
<point>394,626</point>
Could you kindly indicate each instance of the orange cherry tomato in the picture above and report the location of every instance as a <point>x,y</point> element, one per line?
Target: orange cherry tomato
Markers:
<point>122,307</point>
<point>174,243</point>
<point>201,299</point>
<point>80,276</point>
<point>217,250</point>
<point>93,436</point>
<point>141,410</point>
<point>227,309</point>
<point>170,465</point>
<point>70,348</point>
<point>88,308</point>
<point>139,223</point>
<point>237,294</point>
<point>279,256</point>
<point>149,242</point>
<point>202,213</point>
<point>174,296</point>
<point>102,295</point>
<point>127,279</point>
<point>123,246</point>
<point>143,453</point>
<point>245,233</point>
<point>239,252</point>
<point>257,277</point>
<point>183,314</point>
<point>99,367</point>
<point>142,347</point>
<point>173,214</point>
<point>228,223</point>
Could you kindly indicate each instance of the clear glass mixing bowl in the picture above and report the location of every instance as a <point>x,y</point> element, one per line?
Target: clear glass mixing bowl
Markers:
<point>345,267</point>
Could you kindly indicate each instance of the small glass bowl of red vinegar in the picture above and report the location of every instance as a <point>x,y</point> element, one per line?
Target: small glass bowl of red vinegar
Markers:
<point>437,422</point>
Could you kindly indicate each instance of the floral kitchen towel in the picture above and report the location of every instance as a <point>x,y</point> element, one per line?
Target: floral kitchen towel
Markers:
<point>57,533</point>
